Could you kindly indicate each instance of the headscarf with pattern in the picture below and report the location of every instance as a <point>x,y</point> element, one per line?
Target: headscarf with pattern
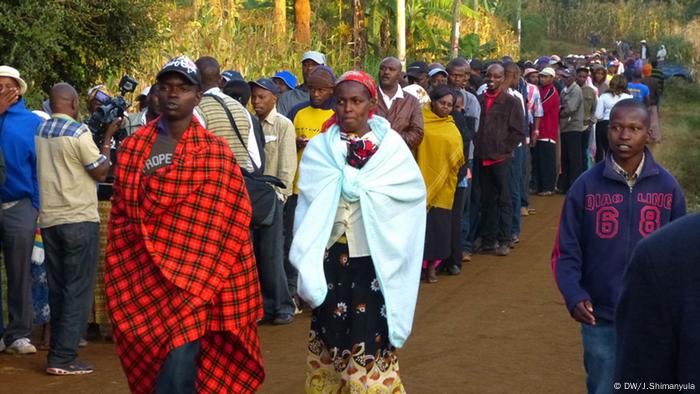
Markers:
<point>358,76</point>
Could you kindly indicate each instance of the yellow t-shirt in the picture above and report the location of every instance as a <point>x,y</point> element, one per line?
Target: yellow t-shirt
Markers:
<point>308,122</point>
<point>65,153</point>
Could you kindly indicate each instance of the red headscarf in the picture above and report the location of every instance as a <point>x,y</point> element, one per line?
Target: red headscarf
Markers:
<point>358,76</point>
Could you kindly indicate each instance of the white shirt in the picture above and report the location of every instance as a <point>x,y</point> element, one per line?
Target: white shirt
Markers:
<point>253,152</point>
<point>606,102</point>
<point>390,100</point>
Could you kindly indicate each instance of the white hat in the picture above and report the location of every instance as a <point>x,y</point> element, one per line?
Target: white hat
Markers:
<point>437,70</point>
<point>145,91</point>
<point>549,71</point>
<point>7,71</point>
<point>318,57</point>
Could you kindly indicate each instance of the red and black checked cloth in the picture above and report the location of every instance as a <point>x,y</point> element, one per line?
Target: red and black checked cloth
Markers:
<point>180,264</point>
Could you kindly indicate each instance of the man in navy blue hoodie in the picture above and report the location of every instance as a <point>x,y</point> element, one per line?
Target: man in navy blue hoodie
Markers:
<point>606,212</point>
<point>20,203</point>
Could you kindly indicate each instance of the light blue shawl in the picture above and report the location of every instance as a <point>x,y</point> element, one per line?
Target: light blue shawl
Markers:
<point>391,193</point>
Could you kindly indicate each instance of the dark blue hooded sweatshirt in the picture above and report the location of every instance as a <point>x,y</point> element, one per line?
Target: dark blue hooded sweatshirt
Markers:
<point>601,222</point>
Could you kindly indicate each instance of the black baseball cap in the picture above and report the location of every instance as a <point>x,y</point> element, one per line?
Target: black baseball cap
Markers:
<point>232,75</point>
<point>267,84</point>
<point>415,69</point>
<point>184,66</point>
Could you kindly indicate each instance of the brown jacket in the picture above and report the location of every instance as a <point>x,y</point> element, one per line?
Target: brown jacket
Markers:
<point>405,117</point>
<point>500,128</point>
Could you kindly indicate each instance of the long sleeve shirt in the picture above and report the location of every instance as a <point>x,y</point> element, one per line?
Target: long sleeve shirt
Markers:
<point>280,150</point>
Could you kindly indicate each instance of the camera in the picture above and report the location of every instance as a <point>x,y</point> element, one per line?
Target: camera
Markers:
<point>111,109</point>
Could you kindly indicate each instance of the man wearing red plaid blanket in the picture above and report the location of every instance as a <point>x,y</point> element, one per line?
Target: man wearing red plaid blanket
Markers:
<point>181,280</point>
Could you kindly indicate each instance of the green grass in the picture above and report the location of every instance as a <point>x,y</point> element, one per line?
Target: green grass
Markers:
<point>679,151</point>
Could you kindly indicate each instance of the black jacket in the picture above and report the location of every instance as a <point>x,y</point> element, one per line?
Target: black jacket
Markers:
<point>658,314</point>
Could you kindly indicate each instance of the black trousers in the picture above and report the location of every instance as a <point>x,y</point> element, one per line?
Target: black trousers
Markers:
<point>292,274</point>
<point>545,166</point>
<point>178,375</point>
<point>496,204</point>
<point>585,136</point>
<point>571,162</point>
<point>269,253</point>
<point>456,227</point>
<point>601,140</point>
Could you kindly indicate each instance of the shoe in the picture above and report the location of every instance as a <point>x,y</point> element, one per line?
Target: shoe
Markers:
<point>21,346</point>
<point>265,320</point>
<point>545,194</point>
<point>77,367</point>
<point>297,304</point>
<point>454,270</point>
<point>524,211</point>
<point>431,272</point>
<point>514,241</point>
<point>2,345</point>
<point>466,257</point>
<point>487,249</point>
<point>281,320</point>
<point>531,211</point>
<point>83,342</point>
<point>503,250</point>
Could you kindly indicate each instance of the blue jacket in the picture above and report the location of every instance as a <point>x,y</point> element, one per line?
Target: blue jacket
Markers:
<point>601,222</point>
<point>17,128</point>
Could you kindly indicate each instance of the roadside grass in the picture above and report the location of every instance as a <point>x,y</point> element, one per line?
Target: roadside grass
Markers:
<point>679,151</point>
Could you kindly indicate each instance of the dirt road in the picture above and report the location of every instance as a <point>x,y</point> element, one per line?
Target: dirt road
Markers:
<point>499,327</point>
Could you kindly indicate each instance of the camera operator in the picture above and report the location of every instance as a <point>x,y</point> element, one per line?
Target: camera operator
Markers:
<point>69,165</point>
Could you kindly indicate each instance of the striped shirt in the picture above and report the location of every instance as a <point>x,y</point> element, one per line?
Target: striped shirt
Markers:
<point>65,153</point>
<point>214,119</point>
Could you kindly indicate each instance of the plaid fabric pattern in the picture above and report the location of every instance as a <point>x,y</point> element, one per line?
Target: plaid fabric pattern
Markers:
<point>180,263</point>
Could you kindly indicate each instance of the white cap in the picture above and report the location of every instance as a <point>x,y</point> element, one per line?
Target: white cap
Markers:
<point>9,72</point>
<point>318,57</point>
<point>436,71</point>
<point>549,71</point>
<point>145,91</point>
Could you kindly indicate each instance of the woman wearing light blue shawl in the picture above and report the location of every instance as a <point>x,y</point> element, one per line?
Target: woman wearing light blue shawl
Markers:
<point>358,244</point>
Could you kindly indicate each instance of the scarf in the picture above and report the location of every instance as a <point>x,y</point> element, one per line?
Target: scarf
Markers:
<point>391,194</point>
<point>439,157</point>
<point>180,264</point>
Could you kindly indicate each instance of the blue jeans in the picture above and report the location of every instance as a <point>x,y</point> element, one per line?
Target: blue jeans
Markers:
<point>516,185</point>
<point>71,264</point>
<point>599,356</point>
<point>178,375</point>
<point>467,241</point>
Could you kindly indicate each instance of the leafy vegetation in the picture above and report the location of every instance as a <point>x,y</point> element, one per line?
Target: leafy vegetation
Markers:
<point>680,123</point>
<point>78,41</point>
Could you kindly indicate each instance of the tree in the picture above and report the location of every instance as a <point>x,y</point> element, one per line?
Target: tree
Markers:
<point>78,42</point>
<point>359,33</point>
<point>302,21</point>
<point>280,17</point>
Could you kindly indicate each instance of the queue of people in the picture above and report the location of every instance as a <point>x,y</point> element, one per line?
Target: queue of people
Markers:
<point>337,194</point>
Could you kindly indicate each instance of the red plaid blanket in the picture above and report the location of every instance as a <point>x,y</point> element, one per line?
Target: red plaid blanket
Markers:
<point>180,264</point>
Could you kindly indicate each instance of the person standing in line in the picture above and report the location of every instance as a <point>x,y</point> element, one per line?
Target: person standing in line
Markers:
<point>440,157</point>
<point>535,112</point>
<point>599,78</point>
<point>20,205</point>
<point>300,94</point>
<point>280,162</point>
<point>637,89</point>
<point>358,243</point>
<point>285,81</point>
<point>500,131</point>
<point>466,114</point>
<point>606,101</point>
<point>608,210</point>
<point>590,99</point>
<point>545,142</point>
<point>402,111</point>
<point>571,129</point>
<point>181,280</point>
<point>655,91</point>
<point>69,167</point>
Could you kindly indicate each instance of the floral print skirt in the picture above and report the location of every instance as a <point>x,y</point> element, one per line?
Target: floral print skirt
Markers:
<point>349,349</point>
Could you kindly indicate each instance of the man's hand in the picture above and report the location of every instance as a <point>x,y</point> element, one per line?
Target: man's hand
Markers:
<point>302,141</point>
<point>583,313</point>
<point>535,136</point>
<point>109,133</point>
<point>7,98</point>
